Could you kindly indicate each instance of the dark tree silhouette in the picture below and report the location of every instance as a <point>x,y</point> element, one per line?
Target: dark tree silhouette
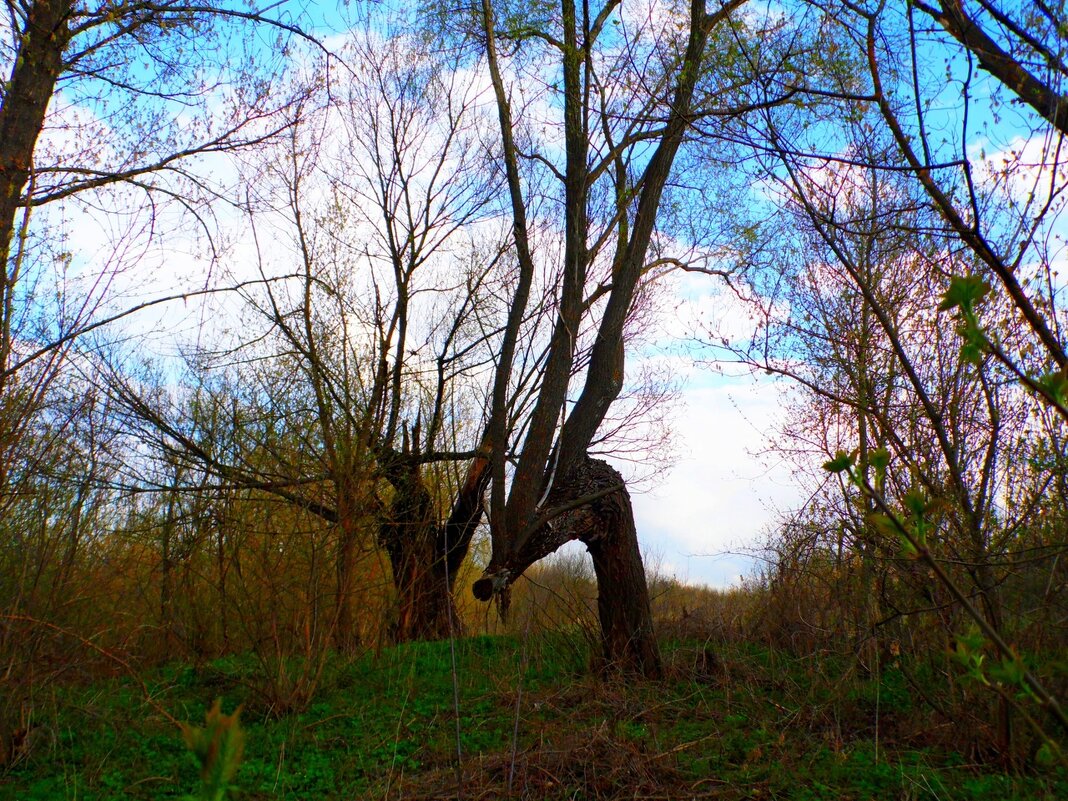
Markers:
<point>619,146</point>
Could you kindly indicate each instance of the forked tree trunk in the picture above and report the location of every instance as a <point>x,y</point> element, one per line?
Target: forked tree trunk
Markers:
<point>423,597</point>
<point>426,555</point>
<point>406,536</point>
<point>606,525</point>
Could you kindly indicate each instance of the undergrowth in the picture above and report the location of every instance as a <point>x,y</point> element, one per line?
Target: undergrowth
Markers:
<point>751,723</point>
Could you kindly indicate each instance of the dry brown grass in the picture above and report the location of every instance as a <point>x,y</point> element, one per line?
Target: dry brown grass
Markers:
<point>592,765</point>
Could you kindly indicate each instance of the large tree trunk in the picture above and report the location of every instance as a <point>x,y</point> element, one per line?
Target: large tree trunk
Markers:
<point>350,522</point>
<point>29,90</point>
<point>627,637</point>
<point>605,523</point>
<point>561,463</point>
<point>423,596</point>
<point>426,555</point>
<point>346,636</point>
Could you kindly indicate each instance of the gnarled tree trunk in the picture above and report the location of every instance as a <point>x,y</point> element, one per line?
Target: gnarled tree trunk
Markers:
<point>426,555</point>
<point>555,457</point>
<point>592,505</point>
<point>346,636</point>
<point>627,636</point>
<point>423,600</point>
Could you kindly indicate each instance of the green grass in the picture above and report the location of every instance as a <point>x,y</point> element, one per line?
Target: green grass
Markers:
<point>385,727</point>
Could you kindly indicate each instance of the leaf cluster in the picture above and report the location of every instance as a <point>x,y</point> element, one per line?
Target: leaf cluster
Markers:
<point>218,747</point>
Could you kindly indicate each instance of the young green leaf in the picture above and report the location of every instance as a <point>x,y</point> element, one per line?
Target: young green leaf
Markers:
<point>841,462</point>
<point>916,502</point>
<point>879,458</point>
<point>1047,755</point>
<point>965,291</point>
<point>884,524</point>
<point>1055,385</point>
<point>974,342</point>
<point>908,550</point>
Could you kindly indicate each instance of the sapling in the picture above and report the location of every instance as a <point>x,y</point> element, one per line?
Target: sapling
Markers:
<point>218,747</point>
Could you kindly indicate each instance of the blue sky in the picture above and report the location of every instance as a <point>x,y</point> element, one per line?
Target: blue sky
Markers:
<point>725,489</point>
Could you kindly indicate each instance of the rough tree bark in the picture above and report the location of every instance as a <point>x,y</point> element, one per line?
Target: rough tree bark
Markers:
<point>425,555</point>
<point>22,111</point>
<point>407,534</point>
<point>592,505</point>
<point>1007,66</point>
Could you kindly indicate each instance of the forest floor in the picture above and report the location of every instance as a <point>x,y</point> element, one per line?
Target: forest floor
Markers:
<point>748,723</point>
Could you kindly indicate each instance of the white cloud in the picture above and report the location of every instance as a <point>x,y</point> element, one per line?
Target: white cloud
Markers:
<point>721,495</point>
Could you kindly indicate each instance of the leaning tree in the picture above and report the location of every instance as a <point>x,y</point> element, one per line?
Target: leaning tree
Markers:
<point>622,90</point>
